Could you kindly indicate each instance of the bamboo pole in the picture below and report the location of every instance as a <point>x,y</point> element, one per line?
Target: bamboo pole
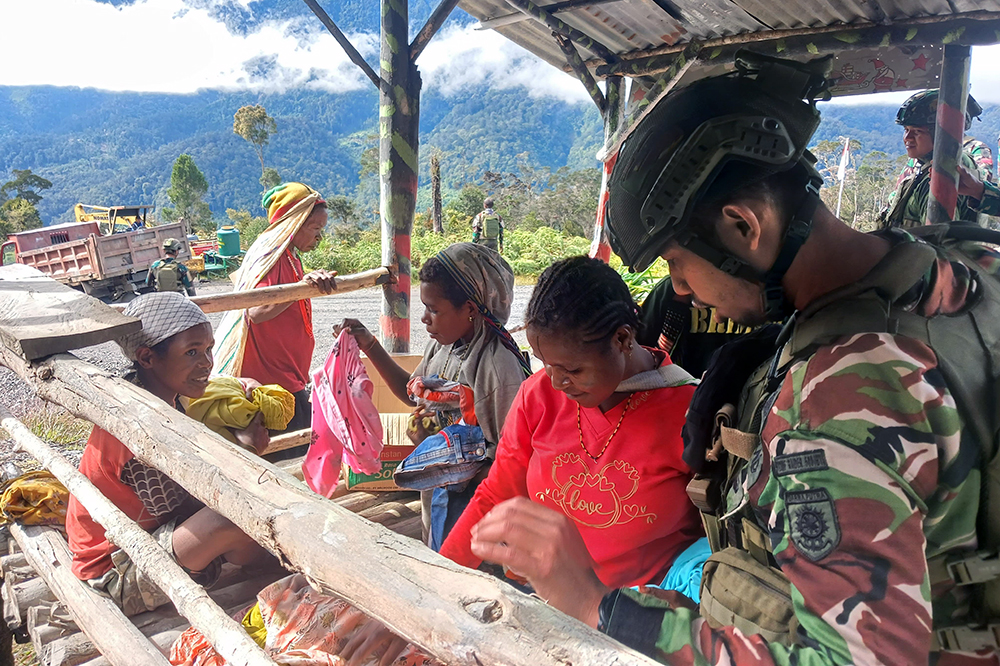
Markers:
<point>191,599</point>
<point>463,617</point>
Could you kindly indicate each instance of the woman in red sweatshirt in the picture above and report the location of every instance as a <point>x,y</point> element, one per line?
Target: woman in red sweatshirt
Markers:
<point>597,435</point>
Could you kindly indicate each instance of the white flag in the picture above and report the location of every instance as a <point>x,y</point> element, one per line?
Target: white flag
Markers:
<point>844,157</point>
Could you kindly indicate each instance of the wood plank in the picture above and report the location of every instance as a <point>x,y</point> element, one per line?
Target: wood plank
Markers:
<point>40,316</point>
<point>288,440</point>
<point>422,596</point>
<point>98,616</point>
<point>229,638</point>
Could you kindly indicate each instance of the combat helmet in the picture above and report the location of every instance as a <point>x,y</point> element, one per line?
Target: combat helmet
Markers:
<point>708,140</point>
<point>171,245</point>
<point>920,110</point>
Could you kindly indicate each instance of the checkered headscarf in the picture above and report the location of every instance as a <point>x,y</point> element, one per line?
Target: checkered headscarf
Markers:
<point>163,314</point>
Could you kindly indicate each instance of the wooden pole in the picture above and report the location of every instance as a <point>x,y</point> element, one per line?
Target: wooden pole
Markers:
<point>463,617</point>
<point>553,9</point>
<point>437,215</point>
<point>283,293</point>
<point>600,248</point>
<point>399,114</point>
<point>191,599</point>
<point>344,42</point>
<point>434,23</point>
<point>953,98</point>
<point>96,615</point>
<point>582,73</point>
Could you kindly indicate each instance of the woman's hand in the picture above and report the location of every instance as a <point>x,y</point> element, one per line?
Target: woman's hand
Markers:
<point>255,436</point>
<point>364,337</point>
<point>249,386</point>
<point>419,432</point>
<point>322,279</point>
<point>545,547</point>
<point>372,639</point>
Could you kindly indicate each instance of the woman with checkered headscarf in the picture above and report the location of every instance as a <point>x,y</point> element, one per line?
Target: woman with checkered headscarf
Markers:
<point>171,357</point>
<point>274,343</point>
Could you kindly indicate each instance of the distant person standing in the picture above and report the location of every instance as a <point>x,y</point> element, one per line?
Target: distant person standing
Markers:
<point>908,204</point>
<point>168,274</point>
<point>274,343</point>
<point>487,227</point>
<point>982,156</point>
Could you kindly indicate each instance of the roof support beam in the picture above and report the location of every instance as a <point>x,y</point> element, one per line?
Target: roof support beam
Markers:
<point>975,28</point>
<point>581,71</point>
<point>553,9</point>
<point>952,102</point>
<point>434,23</point>
<point>345,43</point>
<point>534,11</point>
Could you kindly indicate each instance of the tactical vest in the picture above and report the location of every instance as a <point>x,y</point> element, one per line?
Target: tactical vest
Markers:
<point>742,585</point>
<point>491,226</point>
<point>168,276</point>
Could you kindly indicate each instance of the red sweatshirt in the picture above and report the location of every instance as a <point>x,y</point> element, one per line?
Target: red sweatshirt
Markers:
<point>630,506</point>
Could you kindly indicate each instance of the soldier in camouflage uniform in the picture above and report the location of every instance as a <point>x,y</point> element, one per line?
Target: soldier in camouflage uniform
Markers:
<point>907,205</point>
<point>860,473</point>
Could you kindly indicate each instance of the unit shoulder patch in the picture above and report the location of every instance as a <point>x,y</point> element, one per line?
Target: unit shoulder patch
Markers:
<point>812,519</point>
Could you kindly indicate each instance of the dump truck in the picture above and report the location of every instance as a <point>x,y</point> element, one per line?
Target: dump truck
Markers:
<point>109,266</point>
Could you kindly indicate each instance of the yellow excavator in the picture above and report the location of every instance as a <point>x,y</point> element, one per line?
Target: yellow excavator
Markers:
<point>113,219</point>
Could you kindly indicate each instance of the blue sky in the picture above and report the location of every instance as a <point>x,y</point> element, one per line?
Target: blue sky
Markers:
<point>177,48</point>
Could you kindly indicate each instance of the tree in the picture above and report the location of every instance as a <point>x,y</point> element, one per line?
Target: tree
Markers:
<point>270,179</point>
<point>254,125</point>
<point>187,189</point>
<point>341,210</point>
<point>18,215</point>
<point>436,216</point>
<point>24,185</point>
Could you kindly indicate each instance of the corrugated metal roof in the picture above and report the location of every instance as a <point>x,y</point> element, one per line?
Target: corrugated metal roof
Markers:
<point>629,26</point>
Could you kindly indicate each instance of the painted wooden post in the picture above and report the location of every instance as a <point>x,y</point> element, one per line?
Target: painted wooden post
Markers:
<point>614,106</point>
<point>952,101</point>
<point>399,111</point>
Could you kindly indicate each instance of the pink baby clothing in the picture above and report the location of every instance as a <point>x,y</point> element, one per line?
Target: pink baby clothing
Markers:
<point>344,419</point>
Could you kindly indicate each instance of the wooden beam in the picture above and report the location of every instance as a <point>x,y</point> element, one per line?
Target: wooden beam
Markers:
<point>972,28</point>
<point>190,598</point>
<point>288,440</point>
<point>420,595</point>
<point>344,42</point>
<point>582,73</point>
<point>283,293</point>
<point>434,23</point>
<point>104,622</point>
<point>540,14</point>
<point>553,9</point>
<point>40,316</point>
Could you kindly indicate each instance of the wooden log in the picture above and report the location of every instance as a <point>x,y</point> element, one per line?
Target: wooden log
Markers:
<point>283,293</point>
<point>163,640</point>
<point>416,592</point>
<point>46,624</point>
<point>39,316</point>
<point>69,651</point>
<point>19,597</point>
<point>97,615</point>
<point>16,568</point>
<point>229,639</point>
<point>288,440</point>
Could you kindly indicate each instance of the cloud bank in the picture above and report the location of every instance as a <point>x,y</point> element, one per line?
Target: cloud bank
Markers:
<point>178,46</point>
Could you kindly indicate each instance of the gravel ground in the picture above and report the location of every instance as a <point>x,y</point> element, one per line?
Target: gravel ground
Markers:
<point>364,305</point>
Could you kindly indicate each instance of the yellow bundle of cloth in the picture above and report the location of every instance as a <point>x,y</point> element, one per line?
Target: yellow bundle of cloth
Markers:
<point>225,406</point>
<point>35,498</point>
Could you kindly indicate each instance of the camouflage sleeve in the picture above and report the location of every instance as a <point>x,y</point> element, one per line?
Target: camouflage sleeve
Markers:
<point>990,203</point>
<point>185,276</point>
<point>855,447</point>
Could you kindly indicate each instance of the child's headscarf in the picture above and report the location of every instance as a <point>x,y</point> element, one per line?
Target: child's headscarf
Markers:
<point>163,315</point>
<point>288,205</point>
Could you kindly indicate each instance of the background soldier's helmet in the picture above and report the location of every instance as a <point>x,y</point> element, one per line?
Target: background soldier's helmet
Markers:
<point>920,110</point>
<point>707,140</point>
<point>172,245</point>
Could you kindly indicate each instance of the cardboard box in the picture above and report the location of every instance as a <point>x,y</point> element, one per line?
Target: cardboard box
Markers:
<point>392,455</point>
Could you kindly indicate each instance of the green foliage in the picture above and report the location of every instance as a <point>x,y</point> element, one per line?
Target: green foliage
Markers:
<point>468,202</point>
<point>249,226</point>
<point>188,186</point>
<point>271,178</point>
<point>342,211</point>
<point>252,124</point>
<point>868,181</point>
<point>640,284</point>
<point>24,186</point>
<point>18,215</point>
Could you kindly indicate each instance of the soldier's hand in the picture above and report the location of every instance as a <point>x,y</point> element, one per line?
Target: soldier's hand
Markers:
<point>545,547</point>
<point>322,279</point>
<point>969,184</point>
<point>361,333</point>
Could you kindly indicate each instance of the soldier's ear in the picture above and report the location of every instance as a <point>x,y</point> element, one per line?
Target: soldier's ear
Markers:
<point>743,229</point>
